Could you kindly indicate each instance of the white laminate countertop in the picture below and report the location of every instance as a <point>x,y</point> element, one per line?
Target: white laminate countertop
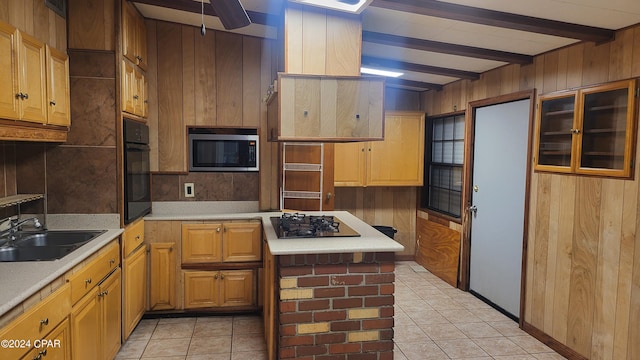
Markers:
<point>20,280</point>
<point>370,239</point>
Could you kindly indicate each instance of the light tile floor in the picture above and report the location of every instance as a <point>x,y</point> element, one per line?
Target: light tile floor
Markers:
<point>432,321</point>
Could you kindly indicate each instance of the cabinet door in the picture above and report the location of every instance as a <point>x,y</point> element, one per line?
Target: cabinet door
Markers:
<point>138,93</point>
<point>141,43</point>
<point>129,24</point>
<point>201,289</point>
<point>242,242</point>
<point>86,327</point>
<point>555,126</point>
<point>607,129</point>
<point>135,290</point>
<point>31,67</point>
<point>350,168</point>
<point>358,107</point>
<point>55,346</point>
<point>300,109</point>
<point>236,288</point>
<point>9,106</point>
<point>399,159</point>
<point>201,243</point>
<point>127,90</point>
<point>110,298</point>
<point>59,108</point>
<point>162,270</point>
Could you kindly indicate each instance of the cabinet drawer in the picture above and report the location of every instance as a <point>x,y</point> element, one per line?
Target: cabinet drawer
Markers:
<point>37,321</point>
<point>56,345</point>
<point>132,237</point>
<point>96,270</point>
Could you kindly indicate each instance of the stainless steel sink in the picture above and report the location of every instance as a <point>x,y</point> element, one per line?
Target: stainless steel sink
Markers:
<point>46,245</point>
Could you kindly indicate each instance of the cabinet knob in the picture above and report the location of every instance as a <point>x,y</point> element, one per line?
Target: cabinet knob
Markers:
<point>42,353</point>
<point>575,131</point>
<point>215,276</point>
<point>87,281</point>
<point>20,96</point>
<point>136,97</point>
<point>37,357</point>
<point>357,116</point>
<point>26,96</point>
<point>112,261</point>
<point>221,276</point>
<point>218,229</point>
<point>52,103</point>
<point>44,321</point>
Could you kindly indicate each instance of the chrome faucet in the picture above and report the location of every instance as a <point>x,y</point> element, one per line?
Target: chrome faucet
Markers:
<point>14,227</point>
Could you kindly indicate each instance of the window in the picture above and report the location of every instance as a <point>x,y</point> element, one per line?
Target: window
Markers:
<point>442,189</point>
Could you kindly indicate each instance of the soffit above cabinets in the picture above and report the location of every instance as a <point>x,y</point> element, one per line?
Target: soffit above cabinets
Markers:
<point>438,42</point>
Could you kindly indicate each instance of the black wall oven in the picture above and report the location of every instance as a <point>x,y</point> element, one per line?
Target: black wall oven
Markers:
<point>137,182</point>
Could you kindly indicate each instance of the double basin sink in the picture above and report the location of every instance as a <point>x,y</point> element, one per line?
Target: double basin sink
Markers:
<point>45,245</point>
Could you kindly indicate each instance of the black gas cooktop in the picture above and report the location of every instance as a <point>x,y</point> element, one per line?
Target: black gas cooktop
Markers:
<point>297,225</point>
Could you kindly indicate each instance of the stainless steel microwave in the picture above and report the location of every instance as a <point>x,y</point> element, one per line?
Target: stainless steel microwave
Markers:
<point>223,149</point>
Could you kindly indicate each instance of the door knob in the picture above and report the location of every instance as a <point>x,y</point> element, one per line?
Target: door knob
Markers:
<point>329,195</point>
<point>473,209</point>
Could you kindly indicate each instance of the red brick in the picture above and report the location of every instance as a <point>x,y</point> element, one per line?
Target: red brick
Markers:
<point>385,257</point>
<point>331,357</point>
<point>287,341</point>
<point>337,280</point>
<point>332,338</point>
<point>386,334</point>
<point>386,311</point>
<point>387,289</point>
<point>287,353</point>
<point>377,324</point>
<point>379,279</point>
<point>287,306</point>
<point>296,271</point>
<point>330,269</point>
<point>330,315</point>
<point>344,348</point>
<point>311,350</point>
<point>387,355</point>
<point>295,318</point>
<point>377,346</point>
<point>364,356</point>
<point>328,292</point>
<point>288,330</point>
<point>313,305</point>
<point>300,259</point>
<point>313,281</point>
<point>387,267</point>
<point>363,290</point>
<point>378,301</point>
<point>347,303</point>
<point>345,325</point>
<point>363,268</point>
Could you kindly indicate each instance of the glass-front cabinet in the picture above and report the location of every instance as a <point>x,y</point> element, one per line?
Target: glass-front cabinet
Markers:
<point>587,131</point>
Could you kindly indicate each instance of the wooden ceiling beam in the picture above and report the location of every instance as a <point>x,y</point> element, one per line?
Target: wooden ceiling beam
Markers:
<point>499,19</point>
<point>413,84</point>
<point>401,65</point>
<point>446,48</point>
<point>195,7</point>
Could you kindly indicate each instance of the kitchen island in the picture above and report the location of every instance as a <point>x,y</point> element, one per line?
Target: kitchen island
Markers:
<point>323,297</point>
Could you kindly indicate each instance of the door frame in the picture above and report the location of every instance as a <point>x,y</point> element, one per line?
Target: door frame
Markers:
<point>465,249</point>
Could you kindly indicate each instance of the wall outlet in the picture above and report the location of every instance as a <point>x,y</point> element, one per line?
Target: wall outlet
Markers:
<point>189,190</point>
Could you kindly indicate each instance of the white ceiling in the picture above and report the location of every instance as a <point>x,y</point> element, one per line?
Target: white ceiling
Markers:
<point>609,14</point>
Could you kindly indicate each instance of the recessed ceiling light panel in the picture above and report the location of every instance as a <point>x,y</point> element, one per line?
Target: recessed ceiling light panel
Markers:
<point>370,71</point>
<point>350,6</point>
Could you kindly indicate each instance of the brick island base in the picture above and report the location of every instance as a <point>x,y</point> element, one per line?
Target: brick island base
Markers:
<point>334,306</point>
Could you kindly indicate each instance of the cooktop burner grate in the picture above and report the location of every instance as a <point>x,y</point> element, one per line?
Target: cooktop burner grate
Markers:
<point>297,225</point>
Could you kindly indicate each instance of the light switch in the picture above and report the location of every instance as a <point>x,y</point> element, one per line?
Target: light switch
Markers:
<point>189,190</point>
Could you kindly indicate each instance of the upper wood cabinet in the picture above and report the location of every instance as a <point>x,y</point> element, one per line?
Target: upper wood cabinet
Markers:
<point>326,108</point>
<point>133,92</point>
<point>398,160</point>
<point>58,97</point>
<point>35,86</point>
<point>23,89</point>
<point>587,131</point>
<point>134,36</point>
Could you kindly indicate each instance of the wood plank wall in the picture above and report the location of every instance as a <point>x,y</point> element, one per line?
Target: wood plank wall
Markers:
<point>583,259</point>
<point>35,18</point>
<point>214,80</point>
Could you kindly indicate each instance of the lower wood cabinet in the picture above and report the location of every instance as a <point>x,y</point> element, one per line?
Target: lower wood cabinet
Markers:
<point>134,290</point>
<point>55,346</point>
<point>96,321</point>
<point>224,288</point>
<point>162,276</point>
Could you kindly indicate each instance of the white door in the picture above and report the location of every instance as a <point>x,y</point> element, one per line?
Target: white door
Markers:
<point>498,195</point>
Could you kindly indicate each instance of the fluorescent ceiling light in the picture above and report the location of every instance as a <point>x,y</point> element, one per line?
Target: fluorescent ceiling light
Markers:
<point>350,6</point>
<point>366,70</point>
